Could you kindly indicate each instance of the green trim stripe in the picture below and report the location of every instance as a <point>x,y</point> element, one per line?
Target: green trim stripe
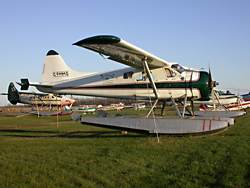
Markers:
<point>203,81</point>
<point>101,39</point>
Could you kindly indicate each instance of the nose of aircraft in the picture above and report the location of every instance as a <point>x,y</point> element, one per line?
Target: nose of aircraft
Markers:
<point>72,101</point>
<point>67,101</point>
<point>211,83</point>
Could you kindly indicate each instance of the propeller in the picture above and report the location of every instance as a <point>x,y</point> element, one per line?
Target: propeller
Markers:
<point>13,97</point>
<point>13,94</point>
<point>67,101</point>
<point>211,83</point>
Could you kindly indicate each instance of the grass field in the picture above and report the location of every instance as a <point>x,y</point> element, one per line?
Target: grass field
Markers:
<point>38,152</point>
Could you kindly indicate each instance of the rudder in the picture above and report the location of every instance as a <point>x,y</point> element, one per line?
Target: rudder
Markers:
<point>55,69</point>
<point>13,94</point>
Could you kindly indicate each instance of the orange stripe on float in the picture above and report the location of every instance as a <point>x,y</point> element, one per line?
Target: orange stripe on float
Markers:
<point>204,121</point>
<point>210,124</point>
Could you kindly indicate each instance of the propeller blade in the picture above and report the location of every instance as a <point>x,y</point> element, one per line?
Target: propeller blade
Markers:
<point>211,83</point>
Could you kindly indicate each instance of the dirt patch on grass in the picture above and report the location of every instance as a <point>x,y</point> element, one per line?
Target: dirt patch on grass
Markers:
<point>14,109</point>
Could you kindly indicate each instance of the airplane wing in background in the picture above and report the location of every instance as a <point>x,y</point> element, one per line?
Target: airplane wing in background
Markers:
<point>34,93</point>
<point>121,51</point>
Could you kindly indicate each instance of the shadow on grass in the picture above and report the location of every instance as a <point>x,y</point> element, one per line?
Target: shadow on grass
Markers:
<point>74,134</point>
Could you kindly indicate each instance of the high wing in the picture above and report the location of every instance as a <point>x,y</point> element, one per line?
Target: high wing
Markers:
<point>121,51</point>
<point>34,93</point>
<point>26,93</point>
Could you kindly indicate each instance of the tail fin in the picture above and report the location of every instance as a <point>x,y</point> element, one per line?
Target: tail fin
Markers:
<point>55,69</point>
<point>13,94</point>
<point>67,108</point>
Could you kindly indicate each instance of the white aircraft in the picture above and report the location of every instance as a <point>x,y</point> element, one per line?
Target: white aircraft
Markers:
<point>117,107</point>
<point>240,106</point>
<point>224,101</point>
<point>15,96</point>
<point>220,97</point>
<point>86,109</point>
<point>147,77</point>
<point>136,106</point>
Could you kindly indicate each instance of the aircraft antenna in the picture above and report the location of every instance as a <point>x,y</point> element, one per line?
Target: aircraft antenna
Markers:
<point>103,56</point>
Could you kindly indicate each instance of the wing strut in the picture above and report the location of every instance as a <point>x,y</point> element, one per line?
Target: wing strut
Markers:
<point>146,68</point>
<point>184,106</point>
<point>176,108</point>
<point>152,107</point>
<point>145,64</point>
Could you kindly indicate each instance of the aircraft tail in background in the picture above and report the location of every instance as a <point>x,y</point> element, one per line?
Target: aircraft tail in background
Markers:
<point>246,97</point>
<point>13,94</point>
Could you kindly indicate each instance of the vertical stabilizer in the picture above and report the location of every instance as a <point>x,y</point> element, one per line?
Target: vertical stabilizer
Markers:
<point>55,69</point>
<point>13,95</point>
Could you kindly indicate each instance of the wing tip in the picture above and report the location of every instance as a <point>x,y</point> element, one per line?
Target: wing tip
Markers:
<point>99,39</point>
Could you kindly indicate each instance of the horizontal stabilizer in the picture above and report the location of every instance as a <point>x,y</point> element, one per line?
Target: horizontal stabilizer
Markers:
<point>36,84</point>
<point>25,84</point>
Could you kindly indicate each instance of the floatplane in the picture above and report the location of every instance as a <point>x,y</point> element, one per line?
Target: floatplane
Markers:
<point>219,97</point>
<point>225,101</point>
<point>86,109</point>
<point>38,99</point>
<point>246,97</point>
<point>43,99</point>
<point>136,106</point>
<point>147,78</point>
<point>117,107</point>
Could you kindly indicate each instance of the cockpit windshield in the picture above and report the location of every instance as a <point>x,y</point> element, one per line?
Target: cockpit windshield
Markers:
<point>178,68</point>
<point>227,92</point>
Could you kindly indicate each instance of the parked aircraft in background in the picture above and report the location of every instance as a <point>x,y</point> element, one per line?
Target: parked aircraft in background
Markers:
<point>86,109</point>
<point>237,106</point>
<point>117,107</point>
<point>15,96</point>
<point>136,106</point>
<point>246,97</point>
<point>220,98</point>
<point>224,100</point>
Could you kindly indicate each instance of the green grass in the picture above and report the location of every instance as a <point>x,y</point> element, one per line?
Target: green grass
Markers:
<point>71,154</point>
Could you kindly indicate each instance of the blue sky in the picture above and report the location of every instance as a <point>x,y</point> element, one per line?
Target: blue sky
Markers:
<point>188,32</point>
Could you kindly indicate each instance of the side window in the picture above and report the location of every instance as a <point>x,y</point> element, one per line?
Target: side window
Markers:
<point>143,77</point>
<point>128,75</point>
<point>170,73</point>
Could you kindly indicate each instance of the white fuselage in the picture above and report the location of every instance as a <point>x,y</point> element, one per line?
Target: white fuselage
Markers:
<point>222,100</point>
<point>41,100</point>
<point>127,83</point>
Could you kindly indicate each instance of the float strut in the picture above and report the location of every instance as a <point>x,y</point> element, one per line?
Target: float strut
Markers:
<point>184,105</point>
<point>149,112</point>
<point>176,108</point>
<point>163,107</point>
